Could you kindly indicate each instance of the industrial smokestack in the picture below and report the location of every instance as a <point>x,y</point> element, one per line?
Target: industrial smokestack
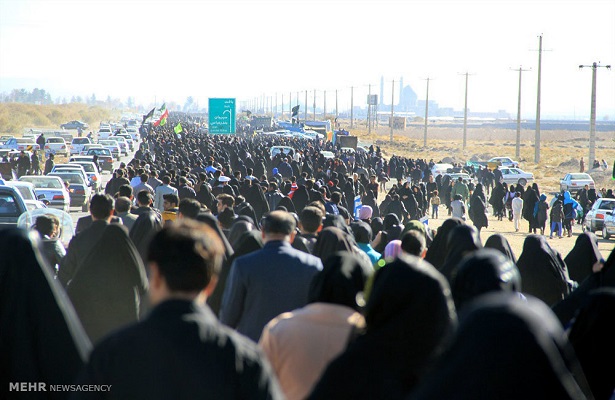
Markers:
<point>381,90</point>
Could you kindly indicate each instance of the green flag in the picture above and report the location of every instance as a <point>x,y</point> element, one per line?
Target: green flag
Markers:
<point>178,128</point>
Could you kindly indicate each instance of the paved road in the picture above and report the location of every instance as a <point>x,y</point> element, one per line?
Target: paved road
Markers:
<point>75,212</point>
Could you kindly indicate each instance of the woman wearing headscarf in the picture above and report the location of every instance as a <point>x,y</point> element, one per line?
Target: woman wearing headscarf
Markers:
<point>582,257</point>
<point>497,199</point>
<point>300,344</point>
<point>301,198</point>
<point>370,200</point>
<point>570,206</point>
<point>256,198</point>
<point>543,272</point>
<point>462,240</point>
<point>518,350</point>
<point>41,337</point>
<point>478,208</point>
<point>391,231</point>
<point>239,227</point>
<point>330,241</point>
<point>108,288</point>
<point>437,251</point>
<point>602,276</point>
<point>287,203</point>
<point>501,244</point>
<point>591,336</point>
<point>530,198</point>
<point>409,317</point>
<point>484,271</point>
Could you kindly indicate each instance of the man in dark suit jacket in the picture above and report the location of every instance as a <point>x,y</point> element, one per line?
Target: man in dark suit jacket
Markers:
<point>268,282</point>
<point>101,207</point>
<point>180,350</point>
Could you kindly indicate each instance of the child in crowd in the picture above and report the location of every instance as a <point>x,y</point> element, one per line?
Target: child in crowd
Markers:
<point>458,207</point>
<point>517,208</point>
<point>435,204</point>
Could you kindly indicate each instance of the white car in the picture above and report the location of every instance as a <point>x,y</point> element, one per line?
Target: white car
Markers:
<point>133,132</point>
<point>608,227</point>
<point>129,140</point>
<point>327,154</point>
<point>505,162</point>
<point>21,144</point>
<point>89,146</point>
<point>91,170</point>
<point>512,176</point>
<point>596,215</point>
<point>441,169</point>
<point>104,133</point>
<point>76,146</point>
<point>72,168</point>
<point>113,147</point>
<point>50,190</point>
<point>56,145</point>
<point>122,143</point>
<point>575,182</point>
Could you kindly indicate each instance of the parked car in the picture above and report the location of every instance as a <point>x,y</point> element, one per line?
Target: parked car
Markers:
<point>50,190</point>
<point>512,176</point>
<point>81,158</point>
<point>595,216</point>
<point>327,154</point>
<point>21,144</point>
<point>5,138</point>
<point>113,147</point>
<point>76,146</point>
<point>80,191</point>
<point>26,189</point>
<point>608,227</point>
<point>75,125</point>
<point>56,145</point>
<point>91,170</point>
<point>87,147</point>
<point>105,158</point>
<point>575,182</point>
<point>441,169</point>
<point>75,168</point>
<point>465,177</point>
<point>129,140</point>
<point>122,143</point>
<point>505,162</point>
<point>133,132</point>
<point>11,206</point>
<point>104,133</point>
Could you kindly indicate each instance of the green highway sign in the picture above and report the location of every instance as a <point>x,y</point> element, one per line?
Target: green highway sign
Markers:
<point>221,115</point>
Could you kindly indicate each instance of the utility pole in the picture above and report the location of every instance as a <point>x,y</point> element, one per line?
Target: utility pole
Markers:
<point>314,113</point>
<point>537,137</point>
<point>351,107</point>
<point>392,108</point>
<point>369,110</point>
<point>324,112</point>
<point>426,114</point>
<point>592,120</point>
<point>306,107</point>
<point>465,114</point>
<point>518,147</point>
<point>276,105</point>
<point>336,113</point>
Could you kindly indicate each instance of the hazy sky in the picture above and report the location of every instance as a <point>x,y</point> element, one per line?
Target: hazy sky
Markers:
<point>168,50</point>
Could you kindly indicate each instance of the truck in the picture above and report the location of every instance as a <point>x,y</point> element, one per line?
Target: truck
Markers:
<point>347,141</point>
<point>265,123</point>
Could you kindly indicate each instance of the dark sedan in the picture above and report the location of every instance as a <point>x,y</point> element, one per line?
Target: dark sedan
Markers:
<point>75,125</point>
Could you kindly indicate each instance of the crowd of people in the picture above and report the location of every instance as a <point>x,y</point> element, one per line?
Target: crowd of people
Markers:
<point>212,268</point>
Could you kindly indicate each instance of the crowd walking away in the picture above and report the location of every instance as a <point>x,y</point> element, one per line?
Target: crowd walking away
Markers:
<point>211,266</point>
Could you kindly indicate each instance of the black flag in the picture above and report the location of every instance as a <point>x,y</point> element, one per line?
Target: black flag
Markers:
<point>148,115</point>
<point>295,117</point>
<point>295,110</point>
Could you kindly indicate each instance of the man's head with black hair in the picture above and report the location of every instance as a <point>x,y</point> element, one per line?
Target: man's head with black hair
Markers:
<point>166,180</point>
<point>122,204</point>
<point>144,198</point>
<point>189,208</point>
<point>184,259</point>
<point>125,191</point>
<point>144,178</point>
<point>310,219</point>
<point>336,197</point>
<point>101,207</point>
<point>171,200</point>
